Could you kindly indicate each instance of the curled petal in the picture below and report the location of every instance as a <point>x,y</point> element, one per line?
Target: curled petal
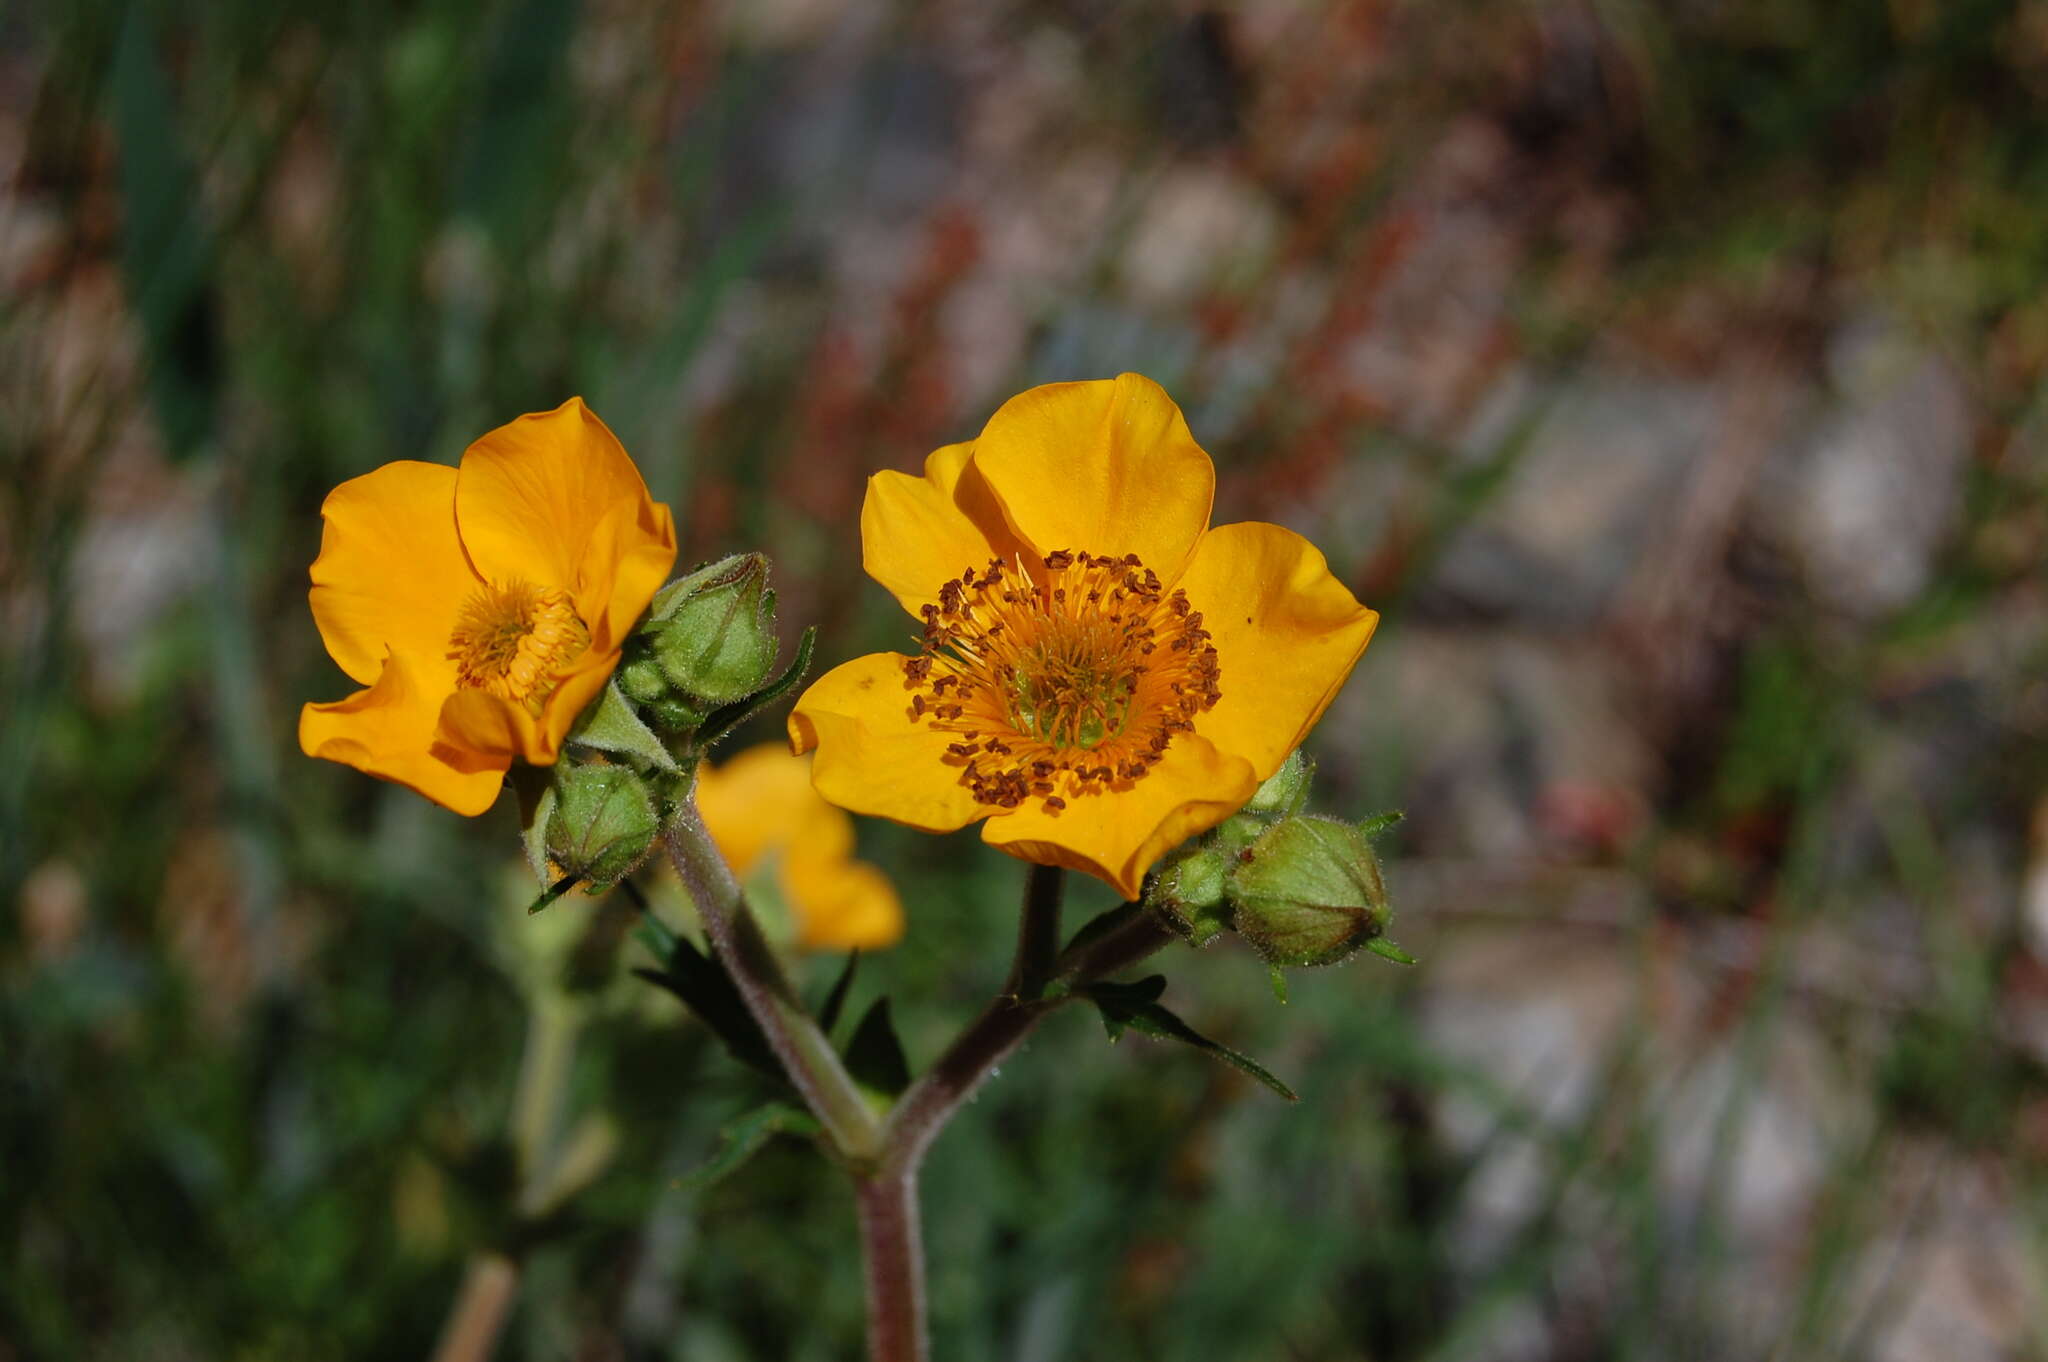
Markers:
<point>1118,835</point>
<point>918,533</point>
<point>1286,631</point>
<point>388,731</point>
<point>532,494</point>
<point>495,728</point>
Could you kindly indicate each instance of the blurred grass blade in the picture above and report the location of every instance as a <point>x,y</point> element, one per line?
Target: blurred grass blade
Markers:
<point>166,248</point>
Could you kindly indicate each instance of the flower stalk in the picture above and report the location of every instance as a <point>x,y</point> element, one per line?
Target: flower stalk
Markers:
<point>813,1066</point>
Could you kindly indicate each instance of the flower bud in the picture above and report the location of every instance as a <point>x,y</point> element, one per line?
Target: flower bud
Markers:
<point>601,824</point>
<point>1285,792</point>
<point>1189,891</point>
<point>712,633</point>
<point>1309,892</point>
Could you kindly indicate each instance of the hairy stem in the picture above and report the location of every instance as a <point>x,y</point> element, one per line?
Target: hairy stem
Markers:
<point>892,1258</point>
<point>807,1056</point>
<point>1002,1026</point>
<point>1038,933</point>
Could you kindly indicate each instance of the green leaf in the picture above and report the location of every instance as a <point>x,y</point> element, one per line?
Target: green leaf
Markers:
<point>835,1001</point>
<point>707,990</point>
<point>553,892</point>
<point>1099,926</point>
<point>1132,1007</point>
<point>741,1139</point>
<point>612,725</point>
<point>1380,822</point>
<point>535,836</point>
<point>1387,950</point>
<point>726,718</point>
<point>875,1056</point>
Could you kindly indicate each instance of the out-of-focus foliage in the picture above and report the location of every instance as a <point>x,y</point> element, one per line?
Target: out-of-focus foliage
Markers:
<point>1666,373</point>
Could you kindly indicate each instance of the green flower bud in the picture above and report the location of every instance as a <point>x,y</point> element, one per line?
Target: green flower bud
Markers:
<point>1285,792</point>
<point>602,822</point>
<point>1189,889</point>
<point>712,633</point>
<point>643,681</point>
<point>1309,892</point>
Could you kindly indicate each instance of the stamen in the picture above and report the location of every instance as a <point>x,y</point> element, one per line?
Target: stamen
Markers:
<point>511,637</point>
<point>1057,661</point>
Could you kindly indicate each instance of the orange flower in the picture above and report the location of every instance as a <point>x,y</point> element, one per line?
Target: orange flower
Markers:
<point>1101,674</point>
<point>766,819</point>
<point>482,607</point>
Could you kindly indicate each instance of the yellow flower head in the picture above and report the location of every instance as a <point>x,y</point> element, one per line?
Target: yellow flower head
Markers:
<point>483,607</point>
<point>765,817</point>
<point>1102,675</point>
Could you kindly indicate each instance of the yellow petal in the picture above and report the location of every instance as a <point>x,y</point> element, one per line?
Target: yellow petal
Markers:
<point>388,731</point>
<point>495,728</point>
<point>1106,467</point>
<point>841,904</point>
<point>762,800</point>
<point>625,561</point>
<point>917,534</point>
<point>391,573</point>
<point>532,493</point>
<point>1117,835</point>
<point>871,758</point>
<point>1286,631</point>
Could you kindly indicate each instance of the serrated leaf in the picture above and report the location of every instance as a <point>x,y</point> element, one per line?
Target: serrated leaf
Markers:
<point>1124,1008</point>
<point>613,725</point>
<point>741,1139</point>
<point>875,1056</point>
<point>708,991</point>
<point>726,718</point>
<point>835,1001</point>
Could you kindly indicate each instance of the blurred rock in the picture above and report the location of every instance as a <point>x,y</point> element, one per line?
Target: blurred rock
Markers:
<point>1954,1274</point>
<point>1202,227</point>
<point>1502,745</point>
<point>1592,490</point>
<point>1868,501</point>
<point>144,549</point>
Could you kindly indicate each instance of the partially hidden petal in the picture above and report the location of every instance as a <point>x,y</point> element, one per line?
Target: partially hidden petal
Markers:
<point>871,758</point>
<point>918,533</point>
<point>532,493</point>
<point>1105,467</point>
<point>1286,632</point>
<point>391,572</point>
<point>388,731</point>
<point>1117,835</point>
<point>625,561</point>
<point>762,799</point>
<point>841,904</point>
<point>495,728</point>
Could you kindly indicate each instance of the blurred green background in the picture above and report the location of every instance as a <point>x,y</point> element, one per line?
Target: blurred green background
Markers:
<point>1668,374</point>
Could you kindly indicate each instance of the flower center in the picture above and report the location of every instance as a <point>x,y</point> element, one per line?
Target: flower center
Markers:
<point>510,637</point>
<point>1065,677</point>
